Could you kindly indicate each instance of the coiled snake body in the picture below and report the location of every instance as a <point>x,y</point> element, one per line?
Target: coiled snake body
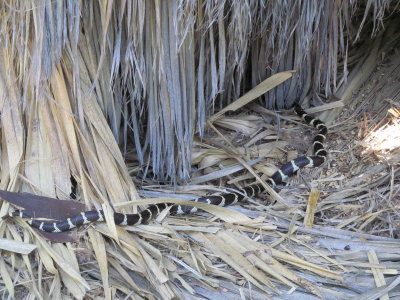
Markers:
<point>144,216</point>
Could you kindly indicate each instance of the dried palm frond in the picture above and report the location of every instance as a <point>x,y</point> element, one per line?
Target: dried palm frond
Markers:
<point>101,90</point>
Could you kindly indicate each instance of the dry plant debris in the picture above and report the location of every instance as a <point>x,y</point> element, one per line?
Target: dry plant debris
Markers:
<point>69,126</point>
<point>338,243</point>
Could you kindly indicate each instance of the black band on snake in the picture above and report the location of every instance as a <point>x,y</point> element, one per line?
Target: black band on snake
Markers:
<point>278,178</point>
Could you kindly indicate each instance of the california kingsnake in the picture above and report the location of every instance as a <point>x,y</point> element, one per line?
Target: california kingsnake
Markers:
<point>278,178</point>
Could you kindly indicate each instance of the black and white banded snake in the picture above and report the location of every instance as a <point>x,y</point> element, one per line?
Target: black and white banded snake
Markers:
<point>226,199</point>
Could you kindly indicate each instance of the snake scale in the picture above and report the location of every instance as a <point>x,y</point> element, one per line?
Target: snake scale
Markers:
<point>278,178</point>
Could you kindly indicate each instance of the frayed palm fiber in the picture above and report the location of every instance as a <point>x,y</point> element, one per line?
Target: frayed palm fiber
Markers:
<point>111,91</point>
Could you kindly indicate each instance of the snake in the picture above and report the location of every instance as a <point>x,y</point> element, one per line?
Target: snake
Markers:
<point>226,199</point>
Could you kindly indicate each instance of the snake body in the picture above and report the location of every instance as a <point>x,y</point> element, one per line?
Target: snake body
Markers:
<point>278,178</point>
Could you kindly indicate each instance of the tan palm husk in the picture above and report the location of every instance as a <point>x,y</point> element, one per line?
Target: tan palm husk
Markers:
<point>105,90</point>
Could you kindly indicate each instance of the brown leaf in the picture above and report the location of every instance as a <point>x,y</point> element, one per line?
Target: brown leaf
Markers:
<point>45,207</point>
